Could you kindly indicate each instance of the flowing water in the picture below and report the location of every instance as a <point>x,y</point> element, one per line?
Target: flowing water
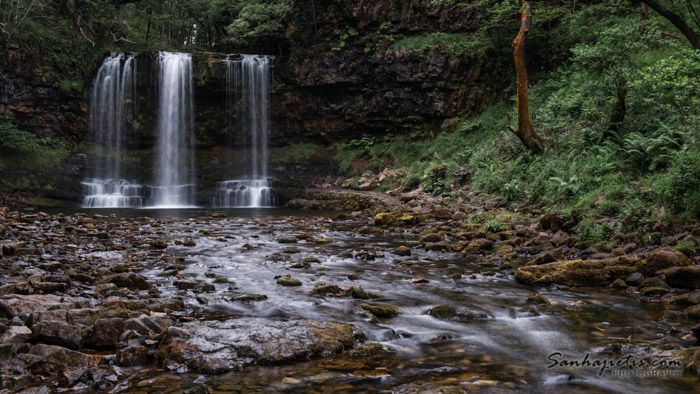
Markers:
<point>505,350</point>
<point>174,177</point>
<point>112,92</point>
<point>248,79</point>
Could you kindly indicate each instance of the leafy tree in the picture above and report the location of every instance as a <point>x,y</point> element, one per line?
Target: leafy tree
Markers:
<point>257,21</point>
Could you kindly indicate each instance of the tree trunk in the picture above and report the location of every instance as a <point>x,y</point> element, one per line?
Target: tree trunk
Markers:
<point>677,21</point>
<point>525,132</point>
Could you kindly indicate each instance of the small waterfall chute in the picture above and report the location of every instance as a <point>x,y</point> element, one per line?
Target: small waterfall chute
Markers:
<point>248,81</point>
<point>112,91</point>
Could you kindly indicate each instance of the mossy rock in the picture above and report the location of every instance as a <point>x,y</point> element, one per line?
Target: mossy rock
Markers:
<point>380,311</point>
<point>323,291</point>
<point>288,281</point>
<point>368,349</point>
<point>593,273</point>
<point>370,231</point>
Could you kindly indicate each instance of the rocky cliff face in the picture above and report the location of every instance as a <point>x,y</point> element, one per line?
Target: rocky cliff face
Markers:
<point>360,71</point>
<point>39,100</point>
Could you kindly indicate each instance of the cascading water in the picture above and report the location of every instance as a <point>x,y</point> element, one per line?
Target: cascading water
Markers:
<point>248,81</point>
<point>174,181</point>
<point>112,91</point>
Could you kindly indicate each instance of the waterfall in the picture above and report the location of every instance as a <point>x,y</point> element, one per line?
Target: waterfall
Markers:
<point>175,158</point>
<point>248,80</point>
<point>112,91</point>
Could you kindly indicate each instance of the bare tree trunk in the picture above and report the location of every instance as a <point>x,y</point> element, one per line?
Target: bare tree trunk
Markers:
<point>525,132</point>
<point>677,21</point>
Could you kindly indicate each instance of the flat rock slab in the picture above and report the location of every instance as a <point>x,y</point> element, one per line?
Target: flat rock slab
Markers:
<point>15,304</point>
<point>220,347</point>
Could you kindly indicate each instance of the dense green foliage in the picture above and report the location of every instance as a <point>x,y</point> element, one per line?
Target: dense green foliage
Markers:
<point>21,149</point>
<point>650,161</point>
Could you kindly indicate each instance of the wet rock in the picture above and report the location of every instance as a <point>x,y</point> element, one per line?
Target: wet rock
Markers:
<point>431,238</point>
<point>403,251</point>
<point>477,246</point>
<point>104,333</point>
<point>368,349</point>
<point>696,333</point>
<point>664,258</point>
<point>220,347</point>
<point>49,287</point>
<point>654,291</point>
<point>437,247</point>
<point>548,257</point>
<point>384,219</point>
<point>580,273</point>
<point>380,311</point>
<point>323,291</point>
<point>683,277</point>
<point>408,220</point>
<point>132,355</point>
<point>425,388</point>
<point>370,231</point>
<point>322,240</point>
<point>692,298</point>
<point>59,357</point>
<point>129,280</point>
<point>17,383</point>
<point>635,279</point>
<point>288,281</point>
<point>359,293</point>
<point>618,284</point>
<point>16,334</point>
<point>538,299</point>
<point>457,313</point>
<point>690,358</point>
<point>158,244</point>
<point>249,298</point>
<point>56,330</point>
<point>16,304</point>
<point>189,242</point>
<point>287,240</point>
<point>51,266</point>
<point>148,325</point>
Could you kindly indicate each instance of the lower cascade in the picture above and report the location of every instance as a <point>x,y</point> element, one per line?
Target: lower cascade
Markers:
<point>111,193</point>
<point>251,193</point>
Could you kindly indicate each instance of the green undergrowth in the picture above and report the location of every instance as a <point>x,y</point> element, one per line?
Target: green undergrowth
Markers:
<point>23,150</point>
<point>646,163</point>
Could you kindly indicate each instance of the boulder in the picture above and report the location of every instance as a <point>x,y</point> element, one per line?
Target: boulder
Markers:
<point>220,347</point>
<point>104,333</point>
<point>580,273</point>
<point>635,279</point>
<point>683,277</point>
<point>129,280</point>
<point>15,304</point>
<point>664,258</point>
<point>16,334</point>
<point>403,250</point>
<point>458,313</point>
<point>480,245</point>
<point>58,357</point>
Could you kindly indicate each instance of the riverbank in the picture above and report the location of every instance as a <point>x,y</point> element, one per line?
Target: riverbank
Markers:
<point>394,288</point>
